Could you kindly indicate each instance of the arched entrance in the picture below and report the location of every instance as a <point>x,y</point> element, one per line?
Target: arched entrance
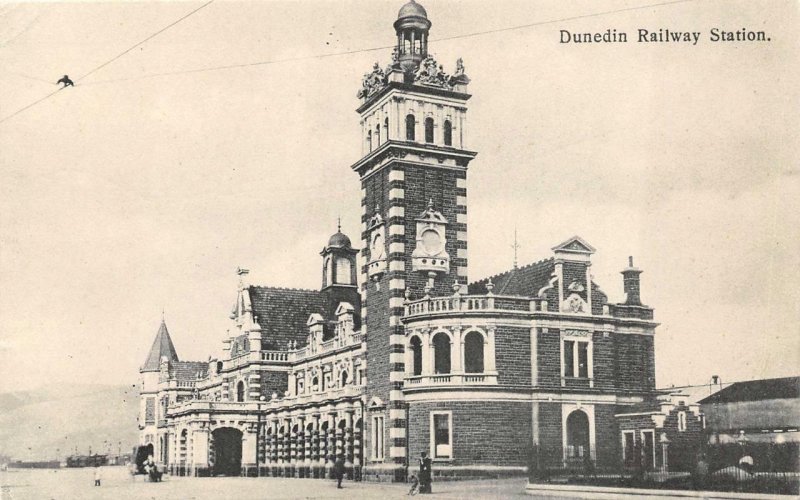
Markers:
<point>577,436</point>
<point>227,451</point>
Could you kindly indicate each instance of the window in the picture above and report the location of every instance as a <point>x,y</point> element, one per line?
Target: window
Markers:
<point>442,434</point>
<point>577,435</point>
<point>377,438</point>
<point>416,356</point>
<point>343,274</point>
<point>441,352</point>
<point>473,353</point>
<point>240,391</point>
<point>681,421</point>
<point>377,135</point>
<point>448,133</point>
<point>345,376</point>
<point>315,384</point>
<point>410,125</point>
<point>429,129</point>
<point>648,449</point>
<point>150,411</point>
<point>369,140</point>
<point>628,448</point>
<point>386,129</point>
<point>577,359</point>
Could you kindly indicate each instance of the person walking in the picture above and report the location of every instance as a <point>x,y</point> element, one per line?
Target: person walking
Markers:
<point>97,475</point>
<point>425,474</point>
<point>338,469</point>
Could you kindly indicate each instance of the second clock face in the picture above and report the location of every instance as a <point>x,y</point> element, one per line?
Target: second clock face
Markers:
<point>431,241</point>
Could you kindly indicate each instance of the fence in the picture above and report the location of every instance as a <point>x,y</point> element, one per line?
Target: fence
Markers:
<point>751,468</point>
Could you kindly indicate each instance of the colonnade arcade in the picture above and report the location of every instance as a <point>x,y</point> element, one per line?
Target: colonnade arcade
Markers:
<point>300,442</point>
<point>457,350</point>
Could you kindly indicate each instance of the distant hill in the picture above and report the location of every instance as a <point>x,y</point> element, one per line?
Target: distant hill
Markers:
<point>50,422</point>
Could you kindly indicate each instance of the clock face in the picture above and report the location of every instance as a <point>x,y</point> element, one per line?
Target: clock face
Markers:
<point>431,241</point>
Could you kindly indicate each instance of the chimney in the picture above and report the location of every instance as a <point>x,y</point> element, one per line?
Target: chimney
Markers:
<point>631,285</point>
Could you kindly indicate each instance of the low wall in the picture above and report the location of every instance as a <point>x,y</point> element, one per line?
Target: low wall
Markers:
<point>580,491</point>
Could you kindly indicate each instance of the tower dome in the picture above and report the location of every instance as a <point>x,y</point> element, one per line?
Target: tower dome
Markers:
<point>412,9</point>
<point>339,240</point>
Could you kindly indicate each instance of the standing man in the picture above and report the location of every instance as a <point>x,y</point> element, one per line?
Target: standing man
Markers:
<point>425,474</point>
<point>338,469</point>
<point>97,475</point>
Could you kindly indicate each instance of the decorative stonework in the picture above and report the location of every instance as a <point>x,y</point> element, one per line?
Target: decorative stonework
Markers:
<point>575,304</point>
<point>430,254</point>
<point>372,82</point>
<point>376,227</point>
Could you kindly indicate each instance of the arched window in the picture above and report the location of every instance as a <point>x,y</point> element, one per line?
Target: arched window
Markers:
<point>377,135</point>
<point>315,384</point>
<point>410,125</point>
<point>448,133</point>
<point>416,354</point>
<point>429,129</point>
<point>386,129</point>
<point>441,350</point>
<point>369,140</point>
<point>473,353</point>
<point>240,391</point>
<point>345,376</point>
<point>577,435</point>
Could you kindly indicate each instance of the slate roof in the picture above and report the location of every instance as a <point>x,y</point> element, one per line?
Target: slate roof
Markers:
<point>757,390</point>
<point>282,313</point>
<point>162,346</point>
<point>187,370</point>
<point>525,281</point>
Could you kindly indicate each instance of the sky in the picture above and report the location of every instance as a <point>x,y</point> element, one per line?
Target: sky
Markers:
<point>133,193</point>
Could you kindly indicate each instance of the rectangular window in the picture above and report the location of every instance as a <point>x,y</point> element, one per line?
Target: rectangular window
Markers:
<point>150,411</point>
<point>442,434</point>
<point>377,438</point>
<point>681,421</point>
<point>577,355</point>
<point>569,358</point>
<point>583,359</point>
<point>628,447</point>
<point>648,449</point>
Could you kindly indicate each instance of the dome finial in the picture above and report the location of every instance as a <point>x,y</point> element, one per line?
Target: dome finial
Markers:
<point>339,224</point>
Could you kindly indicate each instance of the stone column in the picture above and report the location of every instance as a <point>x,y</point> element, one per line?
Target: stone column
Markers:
<point>200,451</point>
<point>357,440</point>
<point>457,354</point>
<point>332,443</point>
<point>348,443</point>
<point>300,456</point>
<point>249,450</point>
<point>317,464</point>
<point>292,449</point>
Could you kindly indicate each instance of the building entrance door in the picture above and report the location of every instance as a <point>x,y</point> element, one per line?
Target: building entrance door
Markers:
<point>227,451</point>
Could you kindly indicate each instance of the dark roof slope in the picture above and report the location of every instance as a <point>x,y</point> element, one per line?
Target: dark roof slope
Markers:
<point>162,346</point>
<point>282,313</point>
<point>525,281</point>
<point>757,390</point>
<point>188,370</point>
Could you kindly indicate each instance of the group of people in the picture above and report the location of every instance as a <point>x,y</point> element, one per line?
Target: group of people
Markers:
<point>421,483</point>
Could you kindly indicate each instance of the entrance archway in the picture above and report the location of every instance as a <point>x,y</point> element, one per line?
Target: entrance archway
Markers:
<point>577,436</point>
<point>227,451</point>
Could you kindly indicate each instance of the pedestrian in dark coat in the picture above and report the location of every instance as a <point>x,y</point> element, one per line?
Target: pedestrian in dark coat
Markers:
<point>338,470</point>
<point>425,474</point>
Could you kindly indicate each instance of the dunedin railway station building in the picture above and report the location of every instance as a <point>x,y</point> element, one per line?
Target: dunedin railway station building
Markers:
<point>404,354</point>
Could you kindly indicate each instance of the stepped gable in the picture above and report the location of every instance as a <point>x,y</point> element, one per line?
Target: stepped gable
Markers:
<point>188,370</point>
<point>525,281</point>
<point>282,314</point>
<point>757,390</point>
<point>162,347</point>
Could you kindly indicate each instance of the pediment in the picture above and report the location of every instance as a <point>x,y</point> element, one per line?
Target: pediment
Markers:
<point>576,244</point>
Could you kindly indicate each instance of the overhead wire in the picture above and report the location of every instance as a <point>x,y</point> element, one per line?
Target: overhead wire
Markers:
<point>333,54</point>
<point>385,47</point>
<point>165,28</point>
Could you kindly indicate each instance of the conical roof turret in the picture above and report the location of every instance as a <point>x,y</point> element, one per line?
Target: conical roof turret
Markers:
<point>162,347</point>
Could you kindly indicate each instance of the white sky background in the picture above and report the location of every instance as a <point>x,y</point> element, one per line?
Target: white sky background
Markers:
<point>118,199</point>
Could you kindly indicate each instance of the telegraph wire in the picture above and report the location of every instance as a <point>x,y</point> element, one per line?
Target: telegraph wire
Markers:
<point>165,28</point>
<point>107,62</point>
<point>386,47</point>
<point>334,54</point>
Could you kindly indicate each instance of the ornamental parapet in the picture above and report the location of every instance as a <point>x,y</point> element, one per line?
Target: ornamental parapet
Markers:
<point>451,379</point>
<point>482,305</point>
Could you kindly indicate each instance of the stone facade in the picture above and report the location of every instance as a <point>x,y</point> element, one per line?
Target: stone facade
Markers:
<point>403,354</point>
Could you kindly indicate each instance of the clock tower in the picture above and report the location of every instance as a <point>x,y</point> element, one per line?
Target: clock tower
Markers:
<point>413,174</point>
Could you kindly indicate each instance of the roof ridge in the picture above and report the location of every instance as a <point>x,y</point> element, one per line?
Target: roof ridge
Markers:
<point>511,270</point>
<point>291,289</point>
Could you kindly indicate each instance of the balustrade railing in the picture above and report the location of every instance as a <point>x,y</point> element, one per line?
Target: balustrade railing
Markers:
<point>470,303</point>
<point>452,379</point>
